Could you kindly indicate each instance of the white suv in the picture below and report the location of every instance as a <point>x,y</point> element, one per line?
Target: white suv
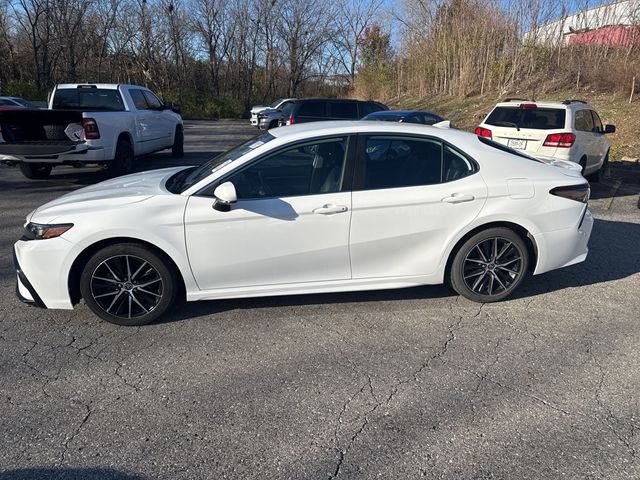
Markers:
<point>569,130</point>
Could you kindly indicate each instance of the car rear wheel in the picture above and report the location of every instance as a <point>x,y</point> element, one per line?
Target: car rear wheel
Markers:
<point>273,124</point>
<point>128,284</point>
<point>35,171</point>
<point>177,150</point>
<point>123,161</point>
<point>490,265</point>
<point>598,176</point>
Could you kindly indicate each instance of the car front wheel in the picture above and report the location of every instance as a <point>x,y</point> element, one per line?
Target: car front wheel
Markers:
<point>490,265</point>
<point>128,284</point>
<point>35,171</point>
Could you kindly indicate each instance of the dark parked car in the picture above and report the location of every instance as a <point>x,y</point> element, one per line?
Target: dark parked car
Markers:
<point>425,118</point>
<point>319,109</point>
<point>15,102</point>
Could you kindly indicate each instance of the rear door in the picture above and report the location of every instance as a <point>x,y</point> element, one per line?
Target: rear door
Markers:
<point>411,195</point>
<point>526,126</point>
<point>586,137</point>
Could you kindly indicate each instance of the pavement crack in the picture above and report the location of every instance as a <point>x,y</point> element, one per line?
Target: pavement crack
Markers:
<point>76,432</point>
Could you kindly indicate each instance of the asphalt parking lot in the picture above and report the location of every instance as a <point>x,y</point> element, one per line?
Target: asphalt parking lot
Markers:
<point>414,383</point>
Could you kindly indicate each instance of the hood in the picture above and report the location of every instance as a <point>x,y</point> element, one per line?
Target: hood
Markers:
<point>258,108</point>
<point>104,195</point>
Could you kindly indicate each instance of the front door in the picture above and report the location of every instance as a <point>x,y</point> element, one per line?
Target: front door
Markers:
<point>290,224</point>
<point>413,195</point>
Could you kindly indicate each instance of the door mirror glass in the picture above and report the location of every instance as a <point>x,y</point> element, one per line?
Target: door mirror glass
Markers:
<point>609,129</point>
<point>225,195</point>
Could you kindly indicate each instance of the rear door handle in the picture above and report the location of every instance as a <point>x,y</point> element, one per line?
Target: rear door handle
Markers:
<point>330,209</point>
<point>458,198</point>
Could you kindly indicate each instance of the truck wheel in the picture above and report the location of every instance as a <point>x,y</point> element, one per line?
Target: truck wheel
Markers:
<point>273,124</point>
<point>35,171</point>
<point>123,161</point>
<point>177,150</point>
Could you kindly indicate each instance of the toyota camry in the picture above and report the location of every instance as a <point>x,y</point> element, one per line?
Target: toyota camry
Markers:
<point>310,208</point>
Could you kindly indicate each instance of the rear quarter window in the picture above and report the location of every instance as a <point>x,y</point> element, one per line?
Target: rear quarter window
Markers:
<point>313,109</point>
<point>534,118</point>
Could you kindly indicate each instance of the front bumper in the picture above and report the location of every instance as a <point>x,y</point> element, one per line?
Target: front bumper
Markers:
<point>42,270</point>
<point>24,290</point>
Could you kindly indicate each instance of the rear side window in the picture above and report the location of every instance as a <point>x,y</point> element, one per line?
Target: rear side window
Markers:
<point>401,162</point>
<point>343,110</point>
<point>584,121</point>
<point>88,99</point>
<point>536,118</point>
<point>313,109</point>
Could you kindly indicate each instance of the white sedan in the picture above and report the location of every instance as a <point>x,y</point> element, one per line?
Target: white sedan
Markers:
<point>311,208</point>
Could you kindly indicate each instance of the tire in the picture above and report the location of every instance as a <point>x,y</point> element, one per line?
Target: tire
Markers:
<point>123,162</point>
<point>273,124</point>
<point>128,284</point>
<point>598,176</point>
<point>35,171</point>
<point>475,274</point>
<point>177,150</point>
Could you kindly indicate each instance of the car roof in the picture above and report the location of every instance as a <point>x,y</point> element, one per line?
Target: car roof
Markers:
<point>301,131</point>
<point>563,104</point>
<point>104,86</point>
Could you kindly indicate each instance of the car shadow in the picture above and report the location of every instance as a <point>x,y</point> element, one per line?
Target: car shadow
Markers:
<point>67,474</point>
<point>614,254</point>
<point>622,179</point>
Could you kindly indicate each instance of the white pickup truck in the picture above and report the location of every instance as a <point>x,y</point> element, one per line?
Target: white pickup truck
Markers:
<point>89,124</point>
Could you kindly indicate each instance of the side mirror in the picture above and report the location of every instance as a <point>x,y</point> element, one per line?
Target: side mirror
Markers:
<point>225,195</point>
<point>609,129</point>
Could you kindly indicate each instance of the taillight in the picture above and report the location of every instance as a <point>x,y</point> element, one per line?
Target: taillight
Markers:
<point>483,132</point>
<point>579,193</point>
<point>560,140</point>
<point>91,131</point>
<point>528,105</point>
<point>291,121</point>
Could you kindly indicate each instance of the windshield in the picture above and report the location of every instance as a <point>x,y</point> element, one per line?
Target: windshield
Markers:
<point>385,118</point>
<point>276,103</point>
<point>189,177</point>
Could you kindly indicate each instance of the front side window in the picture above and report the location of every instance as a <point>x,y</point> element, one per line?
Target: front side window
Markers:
<point>395,162</point>
<point>310,168</point>
<point>152,100</point>
<point>344,110</point>
<point>138,99</point>
<point>597,123</point>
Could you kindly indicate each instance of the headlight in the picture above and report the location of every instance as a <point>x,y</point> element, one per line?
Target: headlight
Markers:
<point>39,231</point>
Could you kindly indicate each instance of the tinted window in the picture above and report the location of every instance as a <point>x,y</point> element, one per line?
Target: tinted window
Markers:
<point>152,100</point>
<point>431,119</point>
<point>369,107</point>
<point>584,121</point>
<point>455,165</point>
<point>313,109</point>
<point>6,103</point>
<point>538,118</point>
<point>287,108</point>
<point>402,162</point>
<point>596,122</point>
<point>344,110</point>
<point>138,99</point>
<point>23,102</point>
<point>384,118</point>
<point>310,168</point>
<point>88,99</point>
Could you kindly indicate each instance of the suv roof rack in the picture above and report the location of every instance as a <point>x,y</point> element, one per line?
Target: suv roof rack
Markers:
<point>569,102</point>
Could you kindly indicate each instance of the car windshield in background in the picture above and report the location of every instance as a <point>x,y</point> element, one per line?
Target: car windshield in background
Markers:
<point>96,99</point>
<point>276,103</point>
<point>538,118</point>
<point>187,178</point>
<point>386,118</point>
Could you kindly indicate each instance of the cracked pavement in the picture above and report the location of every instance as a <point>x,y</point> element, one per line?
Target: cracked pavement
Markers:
<point>414,383</point>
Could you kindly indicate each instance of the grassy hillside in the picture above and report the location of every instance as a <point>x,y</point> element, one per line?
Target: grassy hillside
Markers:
<point>467,112</point>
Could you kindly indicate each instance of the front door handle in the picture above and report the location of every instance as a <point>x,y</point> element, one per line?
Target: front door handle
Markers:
<point>330,209</point>
<point>458,198</point>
